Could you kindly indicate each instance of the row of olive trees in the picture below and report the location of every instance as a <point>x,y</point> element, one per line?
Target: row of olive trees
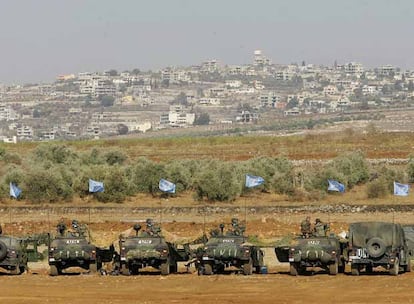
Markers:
<point>56,173</point>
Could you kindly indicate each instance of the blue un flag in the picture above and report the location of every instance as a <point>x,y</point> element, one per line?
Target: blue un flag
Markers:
<point>401,189</point>
<point>166,186</point>
<point>95,186</point>
<point>14,190</point>
<point>253,181</point>
<point>335,186</point>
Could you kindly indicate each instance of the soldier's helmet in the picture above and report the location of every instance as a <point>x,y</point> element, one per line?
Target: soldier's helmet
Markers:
<point>317,220</point>
<point>234,221</point>
<point>75,224</point>
<point>149,222</point>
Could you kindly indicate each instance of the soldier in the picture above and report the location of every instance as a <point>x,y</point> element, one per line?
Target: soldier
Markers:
<point>320,228</point>
<point>306,227</point>
<point>61,228</point>
<point>150,229</point>
<point>80,230</point>
<point>237,228</point>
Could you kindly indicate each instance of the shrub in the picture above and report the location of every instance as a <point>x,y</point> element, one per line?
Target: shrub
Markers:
<point>46,186</point>
<point>59,154</point>
<point>378,188</point>
<point>353,167</point>
<point>145,175</point>
<point>220,182</point>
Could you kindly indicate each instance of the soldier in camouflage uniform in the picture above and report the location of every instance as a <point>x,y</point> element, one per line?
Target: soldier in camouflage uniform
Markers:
<point>61,228</point>
<point>80,230</point>
<point>306,227</point>
<point>237,228</point>
<point>320,228</point>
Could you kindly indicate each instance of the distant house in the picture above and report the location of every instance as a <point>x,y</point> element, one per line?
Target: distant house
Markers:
<point>292,112</point>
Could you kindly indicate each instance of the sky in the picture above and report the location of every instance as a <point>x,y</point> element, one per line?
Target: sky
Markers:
<point>40,39</point>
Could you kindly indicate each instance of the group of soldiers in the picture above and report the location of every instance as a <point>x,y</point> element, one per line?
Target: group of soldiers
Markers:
<point>319,228</point>
<point>150,230</point>
<point>77,230</point>
<point>236,229</point>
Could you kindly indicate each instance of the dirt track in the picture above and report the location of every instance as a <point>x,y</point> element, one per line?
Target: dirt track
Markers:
<point>190,288</point>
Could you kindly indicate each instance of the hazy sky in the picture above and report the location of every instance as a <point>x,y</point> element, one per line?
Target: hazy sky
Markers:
<point>43,38</point>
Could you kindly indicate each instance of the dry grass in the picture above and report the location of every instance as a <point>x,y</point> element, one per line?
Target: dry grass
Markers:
<point>309,146</point>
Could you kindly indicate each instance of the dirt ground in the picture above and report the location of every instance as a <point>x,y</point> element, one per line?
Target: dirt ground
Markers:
<point>277,286</point>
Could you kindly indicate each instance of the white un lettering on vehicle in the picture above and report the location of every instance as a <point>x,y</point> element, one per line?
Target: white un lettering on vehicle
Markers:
<point>144,241</point>
<point>228,241</point>
<point>313,242</point>
<point>72,242</point>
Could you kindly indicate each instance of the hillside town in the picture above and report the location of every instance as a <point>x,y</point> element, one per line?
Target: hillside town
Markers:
<point>92,105</point>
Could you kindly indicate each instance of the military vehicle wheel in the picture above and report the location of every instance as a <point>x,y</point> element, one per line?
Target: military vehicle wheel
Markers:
<point>165,268</point>
<point>54,271</point>
<point>368,268</point>
<point>174,268</point>
<point>394,269</point>
<point>22,269</point>
<point>93,267</point>
<point>3,250</point>
<point>258,269</point>
<point>376,247</point>
<point>294,269</point>
<point>408,266</point>
<point>208,269</point>
<point>15,271</point>
<point>355,270</point>
<point>333,268</point>
<point>248,268</point>
<point>125,270</point>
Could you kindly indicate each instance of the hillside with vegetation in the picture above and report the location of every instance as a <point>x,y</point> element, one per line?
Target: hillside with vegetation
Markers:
<point>209,169</point>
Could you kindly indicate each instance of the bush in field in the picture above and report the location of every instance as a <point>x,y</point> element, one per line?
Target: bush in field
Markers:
<point>58,154</point>
<point>353,167</point>
<point>145,175</point>
<point>116,186</point>
<point>317,179</point>
<point>388,176</point>
<point>94,157</point>
<point>378,188</point>
<point>46,186</point>
<point>410,169</point>
<point>220,182</point>
<point>179,173</point>
<point>115,158</point>
<point>277,173</point>
<point>13,175</point>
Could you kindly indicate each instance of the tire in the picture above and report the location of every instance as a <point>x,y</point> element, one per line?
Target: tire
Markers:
<point>165,268</point>
<point>174,268</point>
<point>3,250</point>
<point>294,269</point>
<point>408,266</point>
<point>355,270</point>
<point>93,267</point>
<point>376,247</point>
<point>394,269</point>
<point>208,269</point>
<point>333,268</point>
<point>368,268</point>
<point>54,271</point>
<point>258,269</point>
<point>22,269</point>
<point>125,270</point>
<point>248,268</point>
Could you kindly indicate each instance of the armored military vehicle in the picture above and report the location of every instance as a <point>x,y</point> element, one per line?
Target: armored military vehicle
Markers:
<point>13,255</point>
<point>373,244</point>
<point>229,249</point>
<point>314,251</point>
<point>72,249</point>
<point>149,248</point>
